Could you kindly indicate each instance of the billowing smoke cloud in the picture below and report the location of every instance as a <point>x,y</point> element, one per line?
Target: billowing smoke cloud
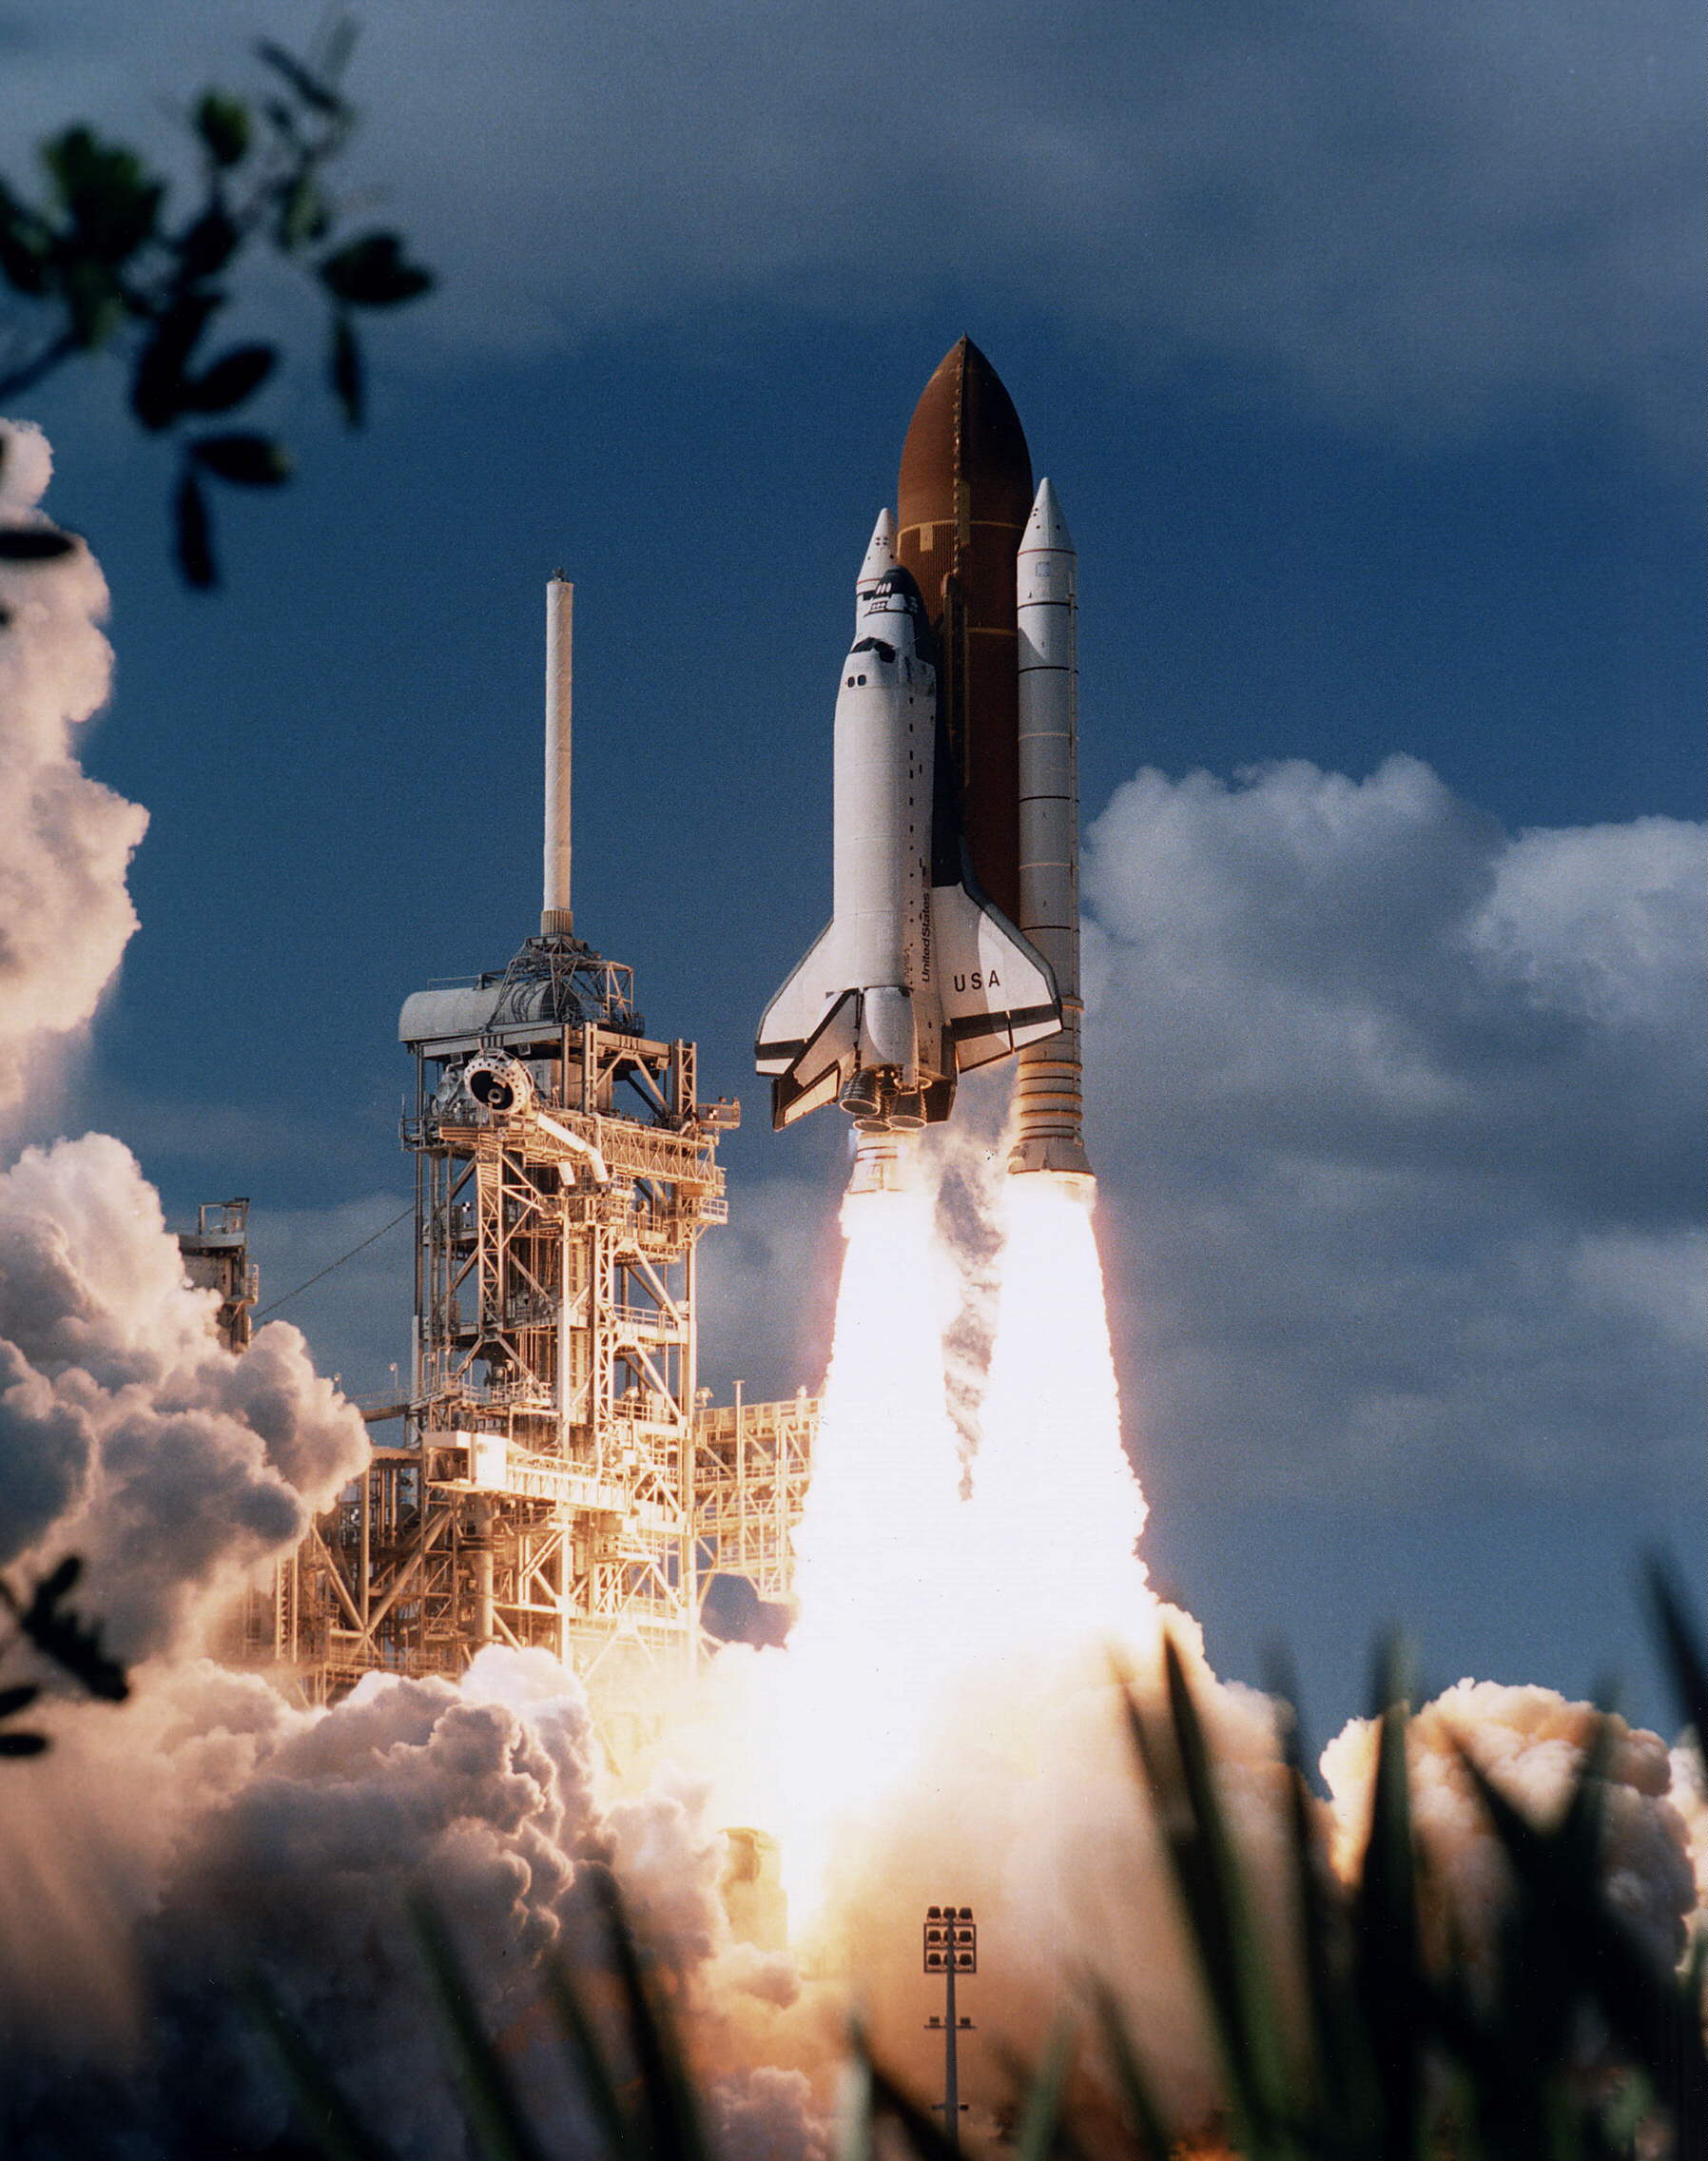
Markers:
<point>1410,1111</point>
<point>129,1433</point>
<point>216,1828</point>
<point>1532,1743</point>
<point>65,914</point>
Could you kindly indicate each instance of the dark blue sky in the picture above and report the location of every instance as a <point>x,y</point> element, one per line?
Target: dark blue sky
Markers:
<point>1449,518</point>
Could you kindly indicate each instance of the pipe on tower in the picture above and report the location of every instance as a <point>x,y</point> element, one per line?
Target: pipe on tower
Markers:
<point>1049,1089</point>
<point>556,917</point>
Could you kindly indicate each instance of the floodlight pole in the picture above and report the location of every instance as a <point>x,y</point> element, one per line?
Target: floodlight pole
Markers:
<point>951,2062</point>
<point>951,1945</point>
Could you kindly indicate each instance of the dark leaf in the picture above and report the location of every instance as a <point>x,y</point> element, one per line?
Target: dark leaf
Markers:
<point>208,245</point>
<point>672,2116</point>
<point>95,302</point>
<point>372,272</point>
<point>25,544</point>
<point>225,127</point>
<point>1041,2118</point>
<point>493,2108</point>
<point>1385,1919</point>
<point>344,369</point>
<point>333,2125</point>
<point>308,87</point>
<point>111,204</point>
<point>250,460</point>
<point>12,1701</point>
<point>1213,1900</point>
<point>1639,1999</point>
<point>233,377</point>
<point>73,1644</point>
<point>592,2061</point>
<point>1144,2117</point>
<point>160,388</point>
<point>60,1580</point>
<point>302,214</point>
<point>194,535</point>
<point>927,2138</point>
<point>1328,2013</point>
<point>24,245</point>
<point>23,1744</point>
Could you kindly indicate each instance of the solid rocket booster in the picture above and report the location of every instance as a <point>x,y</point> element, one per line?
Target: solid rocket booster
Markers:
<point>1048,1091</point>
<point>918,977</point>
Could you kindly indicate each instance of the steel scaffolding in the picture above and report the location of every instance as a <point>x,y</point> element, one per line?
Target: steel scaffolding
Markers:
<point>557,1483</point>
<point>751,1465</point>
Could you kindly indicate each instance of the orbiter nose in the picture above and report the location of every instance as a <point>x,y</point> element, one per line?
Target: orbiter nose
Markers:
<point>880,554</point>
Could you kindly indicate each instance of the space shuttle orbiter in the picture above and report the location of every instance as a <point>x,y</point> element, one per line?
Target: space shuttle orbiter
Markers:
<point>918,977</point>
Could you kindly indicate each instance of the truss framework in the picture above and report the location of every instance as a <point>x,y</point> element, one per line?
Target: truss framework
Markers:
<point>557,1484</point>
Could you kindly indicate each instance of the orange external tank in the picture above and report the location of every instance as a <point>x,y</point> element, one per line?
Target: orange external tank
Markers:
<point>963,498</point>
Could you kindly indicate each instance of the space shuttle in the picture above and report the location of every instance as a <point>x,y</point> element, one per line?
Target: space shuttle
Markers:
<point>955,937</point>
<point>919,976</point>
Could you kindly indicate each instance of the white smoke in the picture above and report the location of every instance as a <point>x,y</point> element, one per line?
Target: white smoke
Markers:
<point>1532,1743</point>
<point>65,914</point>
<point>129,1433</point>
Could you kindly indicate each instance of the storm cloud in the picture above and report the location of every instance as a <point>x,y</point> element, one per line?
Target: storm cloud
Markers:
<point>1399,216</point>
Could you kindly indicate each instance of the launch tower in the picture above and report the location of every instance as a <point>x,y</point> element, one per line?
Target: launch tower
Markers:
<point>558,1481</point>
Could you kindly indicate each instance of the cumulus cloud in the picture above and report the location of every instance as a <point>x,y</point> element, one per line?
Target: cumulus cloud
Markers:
<point>65,914</point>
<point>1400,1115</point>
<point>1412,214</point>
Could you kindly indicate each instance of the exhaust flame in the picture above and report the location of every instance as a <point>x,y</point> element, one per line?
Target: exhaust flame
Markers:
<point>878,1566</point>
<point>1055,1511</point>
<point>909,1595</point>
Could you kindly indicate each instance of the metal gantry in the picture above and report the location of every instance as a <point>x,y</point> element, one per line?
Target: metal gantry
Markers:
<point>751,1465</point>
<point>557,1484</point>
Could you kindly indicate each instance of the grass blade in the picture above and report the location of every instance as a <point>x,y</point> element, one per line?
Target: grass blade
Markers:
<point>671,2128</point>
<point>1644,2006</point>
<point>1679,1643</point>
<point>1231,1958</point>
<point>502,2132</point>
<point>1389,1952</point>
<point>1143,2116</point>
<point>329,2119</point>
<point>599,2083</point>
<point>1041,2115</point>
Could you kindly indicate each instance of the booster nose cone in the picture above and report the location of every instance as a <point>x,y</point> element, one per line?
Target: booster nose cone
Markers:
<point>1046,528</point>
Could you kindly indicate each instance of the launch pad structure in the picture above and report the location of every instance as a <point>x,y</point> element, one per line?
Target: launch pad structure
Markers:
<point>561,1482</point>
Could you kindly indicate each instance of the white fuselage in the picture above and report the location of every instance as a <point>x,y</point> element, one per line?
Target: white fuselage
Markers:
<point>885,736</point>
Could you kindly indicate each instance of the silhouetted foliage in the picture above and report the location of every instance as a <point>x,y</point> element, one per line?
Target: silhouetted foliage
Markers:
<point>46,1622</point>
<point>99,262</point>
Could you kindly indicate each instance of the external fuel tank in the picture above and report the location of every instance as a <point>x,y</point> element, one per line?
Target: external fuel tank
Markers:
<point>964,497</point>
